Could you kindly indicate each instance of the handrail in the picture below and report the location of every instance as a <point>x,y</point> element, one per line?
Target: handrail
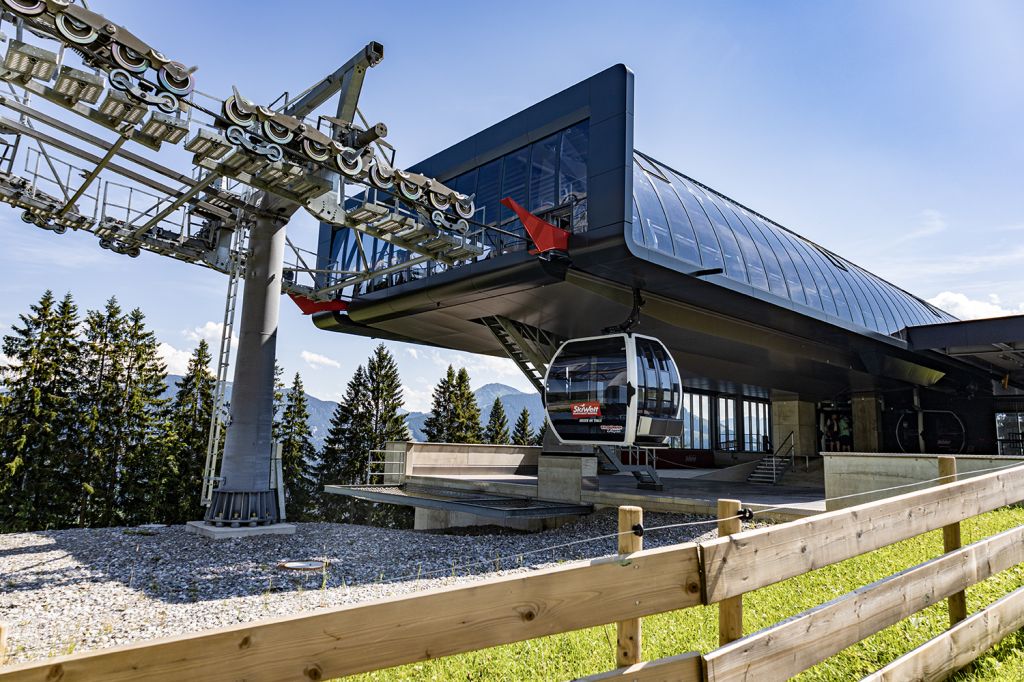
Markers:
<point>784,441</point>
<point>792,457</point>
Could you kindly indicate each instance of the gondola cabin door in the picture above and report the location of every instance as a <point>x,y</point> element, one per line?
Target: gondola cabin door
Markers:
<point>617,389</point>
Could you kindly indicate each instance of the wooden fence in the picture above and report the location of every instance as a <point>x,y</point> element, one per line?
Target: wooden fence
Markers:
<point>622,589</point>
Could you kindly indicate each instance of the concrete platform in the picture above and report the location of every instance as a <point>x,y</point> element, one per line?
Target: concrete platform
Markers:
<point>227,532</point>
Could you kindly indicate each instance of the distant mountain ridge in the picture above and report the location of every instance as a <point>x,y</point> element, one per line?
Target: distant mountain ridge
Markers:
<point>512,399</point>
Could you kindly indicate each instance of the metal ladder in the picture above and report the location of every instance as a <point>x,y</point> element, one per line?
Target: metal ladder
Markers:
<point>219,416</point>
<point>529,347</point>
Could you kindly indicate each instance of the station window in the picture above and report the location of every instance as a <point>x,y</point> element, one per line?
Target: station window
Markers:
<point>728,436</point>
<point>488,187</point>
<point>696,421</point>
<point>548,177</point>
<point>513,181</point>
<point>572,162</point>
<point>1009,427</point>
<point>543,162</point>
<point>756,426</point>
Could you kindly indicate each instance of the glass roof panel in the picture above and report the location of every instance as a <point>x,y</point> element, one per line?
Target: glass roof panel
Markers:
<point>679,223</point>
<point>753,250</point>
<point>734,267</point>
<point>772,267</point>
<point>751,258</point>
<point>652,215</point>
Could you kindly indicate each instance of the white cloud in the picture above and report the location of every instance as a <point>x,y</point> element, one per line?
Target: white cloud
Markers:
<point>483,369</point>
<point>315,360</point>
<point>211,331</point>
<point>413,352</point>
<point>175,359</point>
<point>959,305</point>
<point>416,400</point>
<point>932,222</point>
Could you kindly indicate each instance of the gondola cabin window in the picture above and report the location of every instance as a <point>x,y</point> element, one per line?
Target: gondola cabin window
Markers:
<point>618,389</point>
<point>587,391</point>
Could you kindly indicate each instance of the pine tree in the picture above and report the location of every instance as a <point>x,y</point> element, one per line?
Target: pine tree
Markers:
<point>38,430</point>
<point>366,419</point>
<point>279,403</point>
<point>439,427</point>
<point>102,352</point>
<point>143,380</point>
<point>387,423</point>
<point>347,439</point>
<point>298,455</point>
<point>185,434</point>
<point>541,432</point>
<point>121,401</point>
<point>466,428</point>
<point>496,432</point>
<point>523,434</point>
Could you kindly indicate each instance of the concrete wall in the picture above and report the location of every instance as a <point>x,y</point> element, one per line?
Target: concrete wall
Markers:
<point>424,459</point>
<point>849,473</point>
<point>796,416</point>
<point>563,479</point>
<point>437,519</point>
<point>866,411</point>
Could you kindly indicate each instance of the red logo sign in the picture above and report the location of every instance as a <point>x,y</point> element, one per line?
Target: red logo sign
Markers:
<point>586,410</point>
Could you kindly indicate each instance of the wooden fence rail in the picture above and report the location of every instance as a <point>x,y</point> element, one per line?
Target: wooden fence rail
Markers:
<point>782,651</point>
<point>765,556</point>
<point>958,646</point>
<point>342,641</point>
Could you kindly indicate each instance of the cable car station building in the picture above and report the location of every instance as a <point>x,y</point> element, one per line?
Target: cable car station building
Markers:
<point>772,333</point>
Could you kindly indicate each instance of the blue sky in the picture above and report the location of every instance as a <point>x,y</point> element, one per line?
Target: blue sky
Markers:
<point>892,133</point>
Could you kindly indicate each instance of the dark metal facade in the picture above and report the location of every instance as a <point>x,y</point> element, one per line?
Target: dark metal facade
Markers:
<point>783,316</point>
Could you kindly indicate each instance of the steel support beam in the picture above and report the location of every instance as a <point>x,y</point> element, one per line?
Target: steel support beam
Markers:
<point>176,204</point>
<point>245,496</point>
<point>93,174</point>
<point>142,161</point>
<point>348,80</point>
<point>15,127</point>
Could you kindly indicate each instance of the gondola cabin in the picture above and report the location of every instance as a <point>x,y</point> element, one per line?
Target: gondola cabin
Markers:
<point>616,389</point>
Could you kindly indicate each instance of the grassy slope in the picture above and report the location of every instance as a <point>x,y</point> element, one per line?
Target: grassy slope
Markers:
<point>564,657</point>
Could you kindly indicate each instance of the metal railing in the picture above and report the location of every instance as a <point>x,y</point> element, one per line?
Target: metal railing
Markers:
<point>385,467</point>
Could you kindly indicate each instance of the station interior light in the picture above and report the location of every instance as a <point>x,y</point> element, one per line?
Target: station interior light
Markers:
<point>121,108</point>
<point>30,61</point>
<point>163,128</point>
<point>78,86</point>
<point>208,145</point>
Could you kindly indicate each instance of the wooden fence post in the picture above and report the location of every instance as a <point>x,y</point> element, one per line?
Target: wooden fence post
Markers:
<point>3,643</point>
<point>730,610</point>
<point>628,649</point>
<point>951,541</point>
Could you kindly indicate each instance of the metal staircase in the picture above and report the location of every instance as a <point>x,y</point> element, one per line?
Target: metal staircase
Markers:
<point>772,467</point>
<point>529,347</point>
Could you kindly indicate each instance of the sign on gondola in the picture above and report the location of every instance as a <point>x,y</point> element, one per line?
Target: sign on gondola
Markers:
<point>617,389</point>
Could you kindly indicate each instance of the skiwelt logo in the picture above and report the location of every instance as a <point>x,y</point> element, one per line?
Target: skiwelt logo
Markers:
<point>585,410</point>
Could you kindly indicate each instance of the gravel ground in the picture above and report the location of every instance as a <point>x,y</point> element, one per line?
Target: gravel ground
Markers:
<point>72,590</point>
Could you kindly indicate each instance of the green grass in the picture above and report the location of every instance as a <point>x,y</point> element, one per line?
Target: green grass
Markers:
<point>574,654</point>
